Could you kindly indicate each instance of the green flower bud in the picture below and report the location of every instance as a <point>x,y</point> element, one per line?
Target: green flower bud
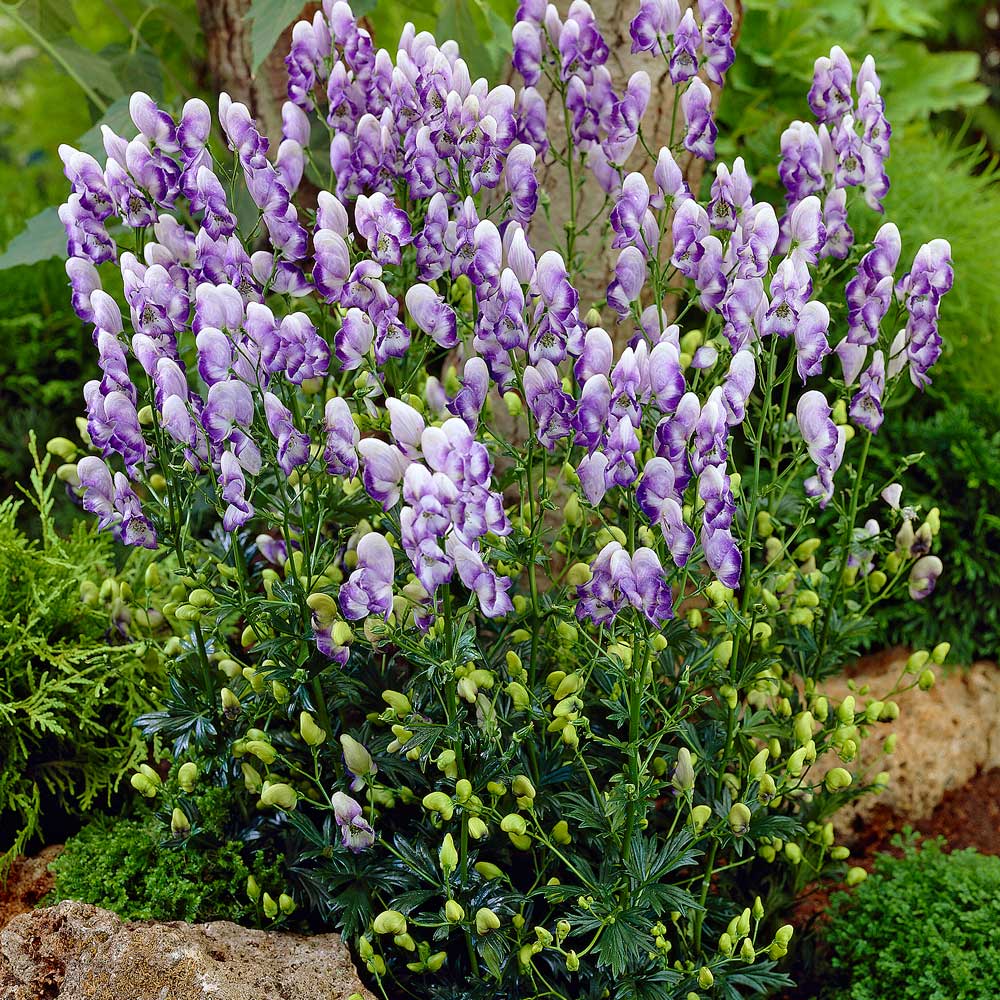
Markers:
<point>187,775</point>
<point>855,876</point>
<point>725,944</point>
<point>448,855</point>
<point>230,704</point>
<point>572,961</point>
<point>270,906</point>
<point>767,789</point>
<point>180,825</point>
<point>389,922</point>
<point>440,803</point>
<point>739,819</point>
<point>252,780</point>
<point>477,828</point>
<point>758,766</point>
<point>758,909</point>
<point>795,762</point>
<point>561,834</point>
<point>940,652</point>
<point>262,750</point>
<point>143,785</point>
<point>837,778</point>
<point>683,779</point>
<point>513,403</point>
<point>488,871</point>
<point>926,681</point>
<point>513,823</point>
<point>793,853</point>
<point>286,904</point>
<point>454,911</point>
<point>358,760</point>
<point>700,815</point>
<point>917,661</point>
<point>747,952</point>
<point>280,795</point>
<point>486,921</point>
<point>840,853</point>
<point>253,889</point>
<point>398,702</point>
<point>519,696</point>
<point>523,788</point>
<point>705,977</point>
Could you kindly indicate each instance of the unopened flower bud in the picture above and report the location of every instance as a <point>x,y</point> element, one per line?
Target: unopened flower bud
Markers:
<point>280,795</point>
<point>561,834</point>
<point>572,961</point>
<point>230,704</point>
<point>270,906</point>
<point>926,680</point>
<point>286,904</point>
<point>725,944</point>
<point>486,921</point>
<point>758,766</point>
<point>357,758</point>
<point>180,825</point>
<point>389,922</point>
<point>448,855</point>
<point>477,828</point>
<point>855,876</point>
<point>454,911</point>
<point>187,775</point>
<point>488,871</point>
<point>398,702</point>
<point>700,815</point>
<point>837,778</point>
<point>440,803</point>
<point>683,779</point>
<point>739,819</point>
<point>940,652</point>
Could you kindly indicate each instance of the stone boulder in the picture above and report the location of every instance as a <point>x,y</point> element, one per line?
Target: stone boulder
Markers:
<point>75,951</point>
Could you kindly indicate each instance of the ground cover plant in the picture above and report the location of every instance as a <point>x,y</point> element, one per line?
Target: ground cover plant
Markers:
<point>901,934</point>
<point>505,631</point>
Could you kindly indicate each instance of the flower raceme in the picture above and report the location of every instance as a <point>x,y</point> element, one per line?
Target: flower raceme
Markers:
<point>385,396</point>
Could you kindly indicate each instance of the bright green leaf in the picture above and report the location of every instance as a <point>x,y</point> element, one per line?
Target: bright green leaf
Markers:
<point>270,18</point>
<point>42,238</point>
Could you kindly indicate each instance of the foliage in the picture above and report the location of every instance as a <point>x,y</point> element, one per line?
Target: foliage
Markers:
<point>76,667</point>
<point>961,444</point>
<point>922,927</point>
<point>122,865</point>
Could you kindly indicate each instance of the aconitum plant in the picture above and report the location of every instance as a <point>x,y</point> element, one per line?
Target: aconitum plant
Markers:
<point>506,614</point>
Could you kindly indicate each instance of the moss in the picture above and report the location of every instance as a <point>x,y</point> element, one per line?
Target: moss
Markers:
<point>121,865</point>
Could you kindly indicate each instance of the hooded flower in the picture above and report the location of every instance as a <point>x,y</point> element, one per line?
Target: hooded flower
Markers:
<point>368,591</point>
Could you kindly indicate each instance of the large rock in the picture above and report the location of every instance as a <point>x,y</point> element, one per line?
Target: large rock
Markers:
<point>945,736</point>
<point>27,883</point>
<point>75,951</point>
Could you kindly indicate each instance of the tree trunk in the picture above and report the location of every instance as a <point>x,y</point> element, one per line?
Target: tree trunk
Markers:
<point>228,60</point>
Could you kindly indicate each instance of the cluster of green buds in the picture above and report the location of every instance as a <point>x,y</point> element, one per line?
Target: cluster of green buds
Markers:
<point>273,910</point>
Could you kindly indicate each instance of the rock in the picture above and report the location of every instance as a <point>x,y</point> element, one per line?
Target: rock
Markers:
<point>75,951</point>
<point>27,883</point>
<point>944,736</point>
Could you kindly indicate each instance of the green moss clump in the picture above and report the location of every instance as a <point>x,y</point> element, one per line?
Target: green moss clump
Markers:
<point>121,865</point>
<point>922,927</point>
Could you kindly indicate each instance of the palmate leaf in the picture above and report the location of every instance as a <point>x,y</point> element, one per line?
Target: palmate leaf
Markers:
<point>625,943</point>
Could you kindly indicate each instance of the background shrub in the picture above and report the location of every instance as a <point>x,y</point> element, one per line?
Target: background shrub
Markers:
<point>922,927</point>
<point>77,666</point>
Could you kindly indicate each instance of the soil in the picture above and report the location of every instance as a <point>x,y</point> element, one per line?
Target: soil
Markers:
<point>966,817</point>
